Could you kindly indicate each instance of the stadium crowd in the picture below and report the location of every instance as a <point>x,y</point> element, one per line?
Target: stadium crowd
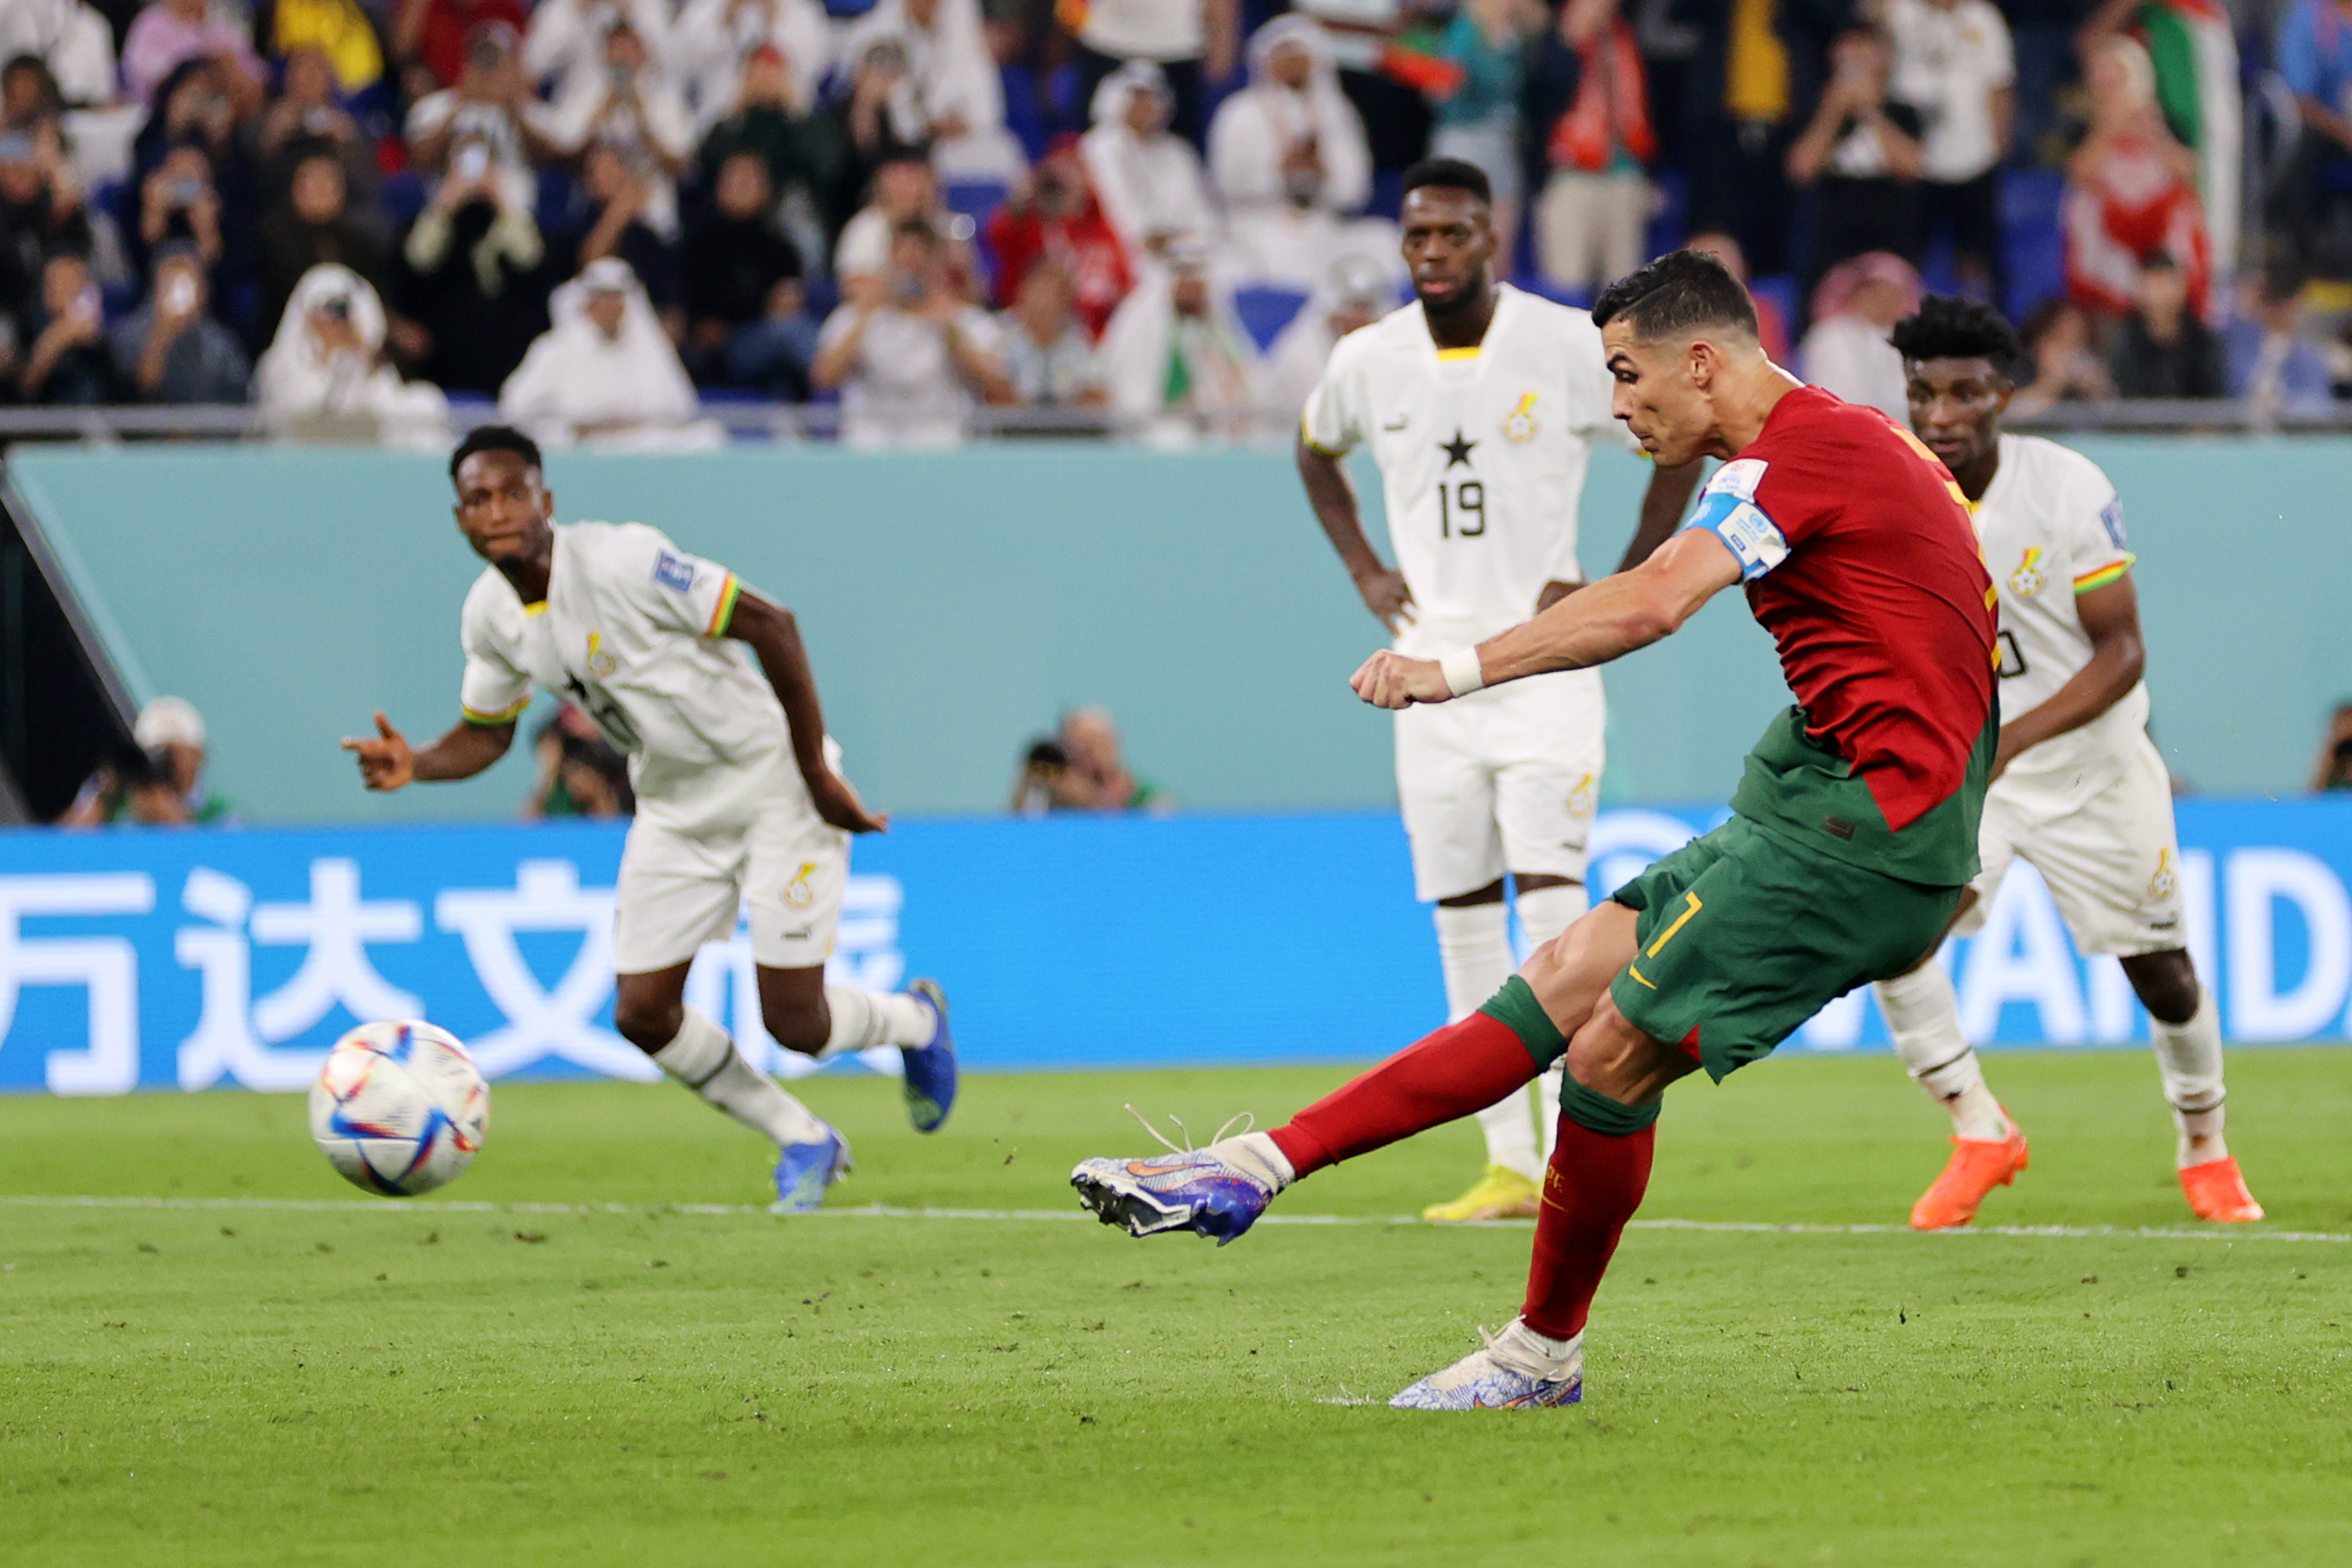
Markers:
<point>605,216</point>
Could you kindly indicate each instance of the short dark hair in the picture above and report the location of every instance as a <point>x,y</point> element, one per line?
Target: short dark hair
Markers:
<point>1947,328</point>
<point>495,438</point>
<point>1449,174</point>
<point>1681,292</point>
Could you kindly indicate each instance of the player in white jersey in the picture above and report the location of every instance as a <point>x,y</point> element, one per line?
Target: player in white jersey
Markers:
<point>2079,792</point>
<point>739,802</point>
<point>1480,404</point>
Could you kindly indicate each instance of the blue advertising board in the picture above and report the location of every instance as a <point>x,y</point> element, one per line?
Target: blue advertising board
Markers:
<point>140,958</point>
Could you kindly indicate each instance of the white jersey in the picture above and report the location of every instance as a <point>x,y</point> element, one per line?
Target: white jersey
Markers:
<point>1482,453</point>
<point>632,631</point>
<point>2051,527</point>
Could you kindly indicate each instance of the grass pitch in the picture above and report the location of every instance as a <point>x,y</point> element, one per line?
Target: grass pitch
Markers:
<point>365,1383</point>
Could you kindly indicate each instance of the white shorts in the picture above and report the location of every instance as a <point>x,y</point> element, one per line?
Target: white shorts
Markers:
<point>1502,780</point>
<point>2113,863</point>
<point>680,889</point>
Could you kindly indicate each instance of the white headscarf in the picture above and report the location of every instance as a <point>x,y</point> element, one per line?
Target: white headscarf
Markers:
<point>1256,126</point>
<point>574,375</point>
<point>305,391</point>
<point>1146,187</point>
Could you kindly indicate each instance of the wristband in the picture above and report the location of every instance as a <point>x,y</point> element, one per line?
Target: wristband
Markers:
<point>1462,671</point>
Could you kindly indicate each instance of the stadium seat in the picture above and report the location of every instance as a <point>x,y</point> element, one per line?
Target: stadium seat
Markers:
<point>1264,310</point>
<point>2033,248</point>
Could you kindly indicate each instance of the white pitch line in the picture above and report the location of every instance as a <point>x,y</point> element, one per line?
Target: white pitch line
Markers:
<point>885,1211</point>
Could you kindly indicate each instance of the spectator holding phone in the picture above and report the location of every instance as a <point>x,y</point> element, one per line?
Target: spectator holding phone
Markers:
<point>323,377</point>
<point>157,780</point>
<point>910,354</point>
<point>171,350</point>
<point>41,212</point>
<point>68,363</point>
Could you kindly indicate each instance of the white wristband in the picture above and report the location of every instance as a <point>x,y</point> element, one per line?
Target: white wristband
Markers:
<point>1462,671</point>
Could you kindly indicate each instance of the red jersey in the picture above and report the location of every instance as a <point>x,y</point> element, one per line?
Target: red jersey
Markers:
<point>1861,562</point>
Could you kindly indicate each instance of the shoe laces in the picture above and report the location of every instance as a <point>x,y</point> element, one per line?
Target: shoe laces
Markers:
<point>1244,1119</point>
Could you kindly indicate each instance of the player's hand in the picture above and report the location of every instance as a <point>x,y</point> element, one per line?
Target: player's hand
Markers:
<point>836,801</point>
<point>386,762</point>
<point>1388,679</point>
<point>1386,595</point>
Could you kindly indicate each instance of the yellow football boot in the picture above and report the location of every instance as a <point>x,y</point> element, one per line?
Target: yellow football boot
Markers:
<point>1501,1193</point>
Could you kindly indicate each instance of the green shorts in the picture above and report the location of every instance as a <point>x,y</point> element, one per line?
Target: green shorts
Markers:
<point>1744,934</point>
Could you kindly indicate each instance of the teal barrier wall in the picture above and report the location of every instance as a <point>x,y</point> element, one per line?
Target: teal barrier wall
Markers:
<point>954,602</point>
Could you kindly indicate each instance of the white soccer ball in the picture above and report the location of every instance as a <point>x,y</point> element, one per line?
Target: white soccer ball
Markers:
<point>400,1109</point>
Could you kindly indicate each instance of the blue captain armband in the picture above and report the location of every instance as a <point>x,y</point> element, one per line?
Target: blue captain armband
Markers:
<point>1728,510</point>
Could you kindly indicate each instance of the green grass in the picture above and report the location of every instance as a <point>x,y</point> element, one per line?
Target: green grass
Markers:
<point>368,1385</point>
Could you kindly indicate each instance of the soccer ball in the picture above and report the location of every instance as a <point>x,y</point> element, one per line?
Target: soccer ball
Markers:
<point>400,1108</point>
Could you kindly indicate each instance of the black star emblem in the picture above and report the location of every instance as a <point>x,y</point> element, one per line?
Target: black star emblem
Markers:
<point>1456,450</point>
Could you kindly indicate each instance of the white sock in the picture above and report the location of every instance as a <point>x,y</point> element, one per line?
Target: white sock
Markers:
<point>1924,1018</point>
<point>2189,1057</point>
<point>1257,1154</point>
<point>1544,913</point>
<point>705,1059</point>
<point>1537,1353</point>
<point>1473,947</point>
<point>864,1019</point>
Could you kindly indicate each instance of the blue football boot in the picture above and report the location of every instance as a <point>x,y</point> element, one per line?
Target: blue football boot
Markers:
<point>1192,1190</point>
<point>803,1170</point>
<point>930,1080</point>
<point>1510,1372</point>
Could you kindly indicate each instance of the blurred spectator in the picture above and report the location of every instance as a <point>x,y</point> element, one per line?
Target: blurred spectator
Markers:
<point>1754,80</point>
<point>1175,356</point>
<point>1042,785</point>
<point>1098,779</point>
<point>433,34</point>
<point>605,372</point>
<point>2066,364</point>
<point>1049,356</point>
<point>1148,179</point>
<point>904,191</point>
<point>2271,364</point>
<point>1954,64</point>
<point>195,179</point>
<point>195,105</point>
<point>715,40</point>
<point>949,96</point>
<point>612,214</point>
<point>1593,215</point>
<point>171,350</point>
<point>340,32</point>
<point>2130,190</point>
<point>323,379</point>
<point>314,226</point>
<point>2334,770</point>
<point>563,47</point>
<point>2163,348</point>
<point>1192,42</point>
<point>1052,213</point>
<point>472,284</point>
<point>909,354</point>
<point>877,69</point>
<point>169,33</point>
<point>305,119</point>
<point>158,780</point>
<point>630,108</point>
<point>735,259</point>
<point>2311,196</point>
<point>806,152</point>
<point>488,127</point>
<point>1847,351</point>
<point>29,93</point>
<point>1771,324</point>
<point>69,361</point>
<point>1288,155</point>
<point>2194,49</point>
<point>1863,154</point>
<point>1356,294</point>
<point>1478,120</point>
<point>69,39</point>
<point>579,774</point>
<point>41,212</point>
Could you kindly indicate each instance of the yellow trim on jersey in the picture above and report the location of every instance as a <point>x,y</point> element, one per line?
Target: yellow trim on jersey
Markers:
<point>536,607</point>
<point>509,716</point>
<point>2104,575</point>
<point>1307,439</point>
<point>1635,970</point>
<point>725,610</point>
<point>1681,920</point>
<point>1457,353</point>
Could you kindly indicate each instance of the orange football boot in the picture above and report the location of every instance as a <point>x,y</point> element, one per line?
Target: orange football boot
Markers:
<point>2218,1193</point>
<point>1978,1165</point>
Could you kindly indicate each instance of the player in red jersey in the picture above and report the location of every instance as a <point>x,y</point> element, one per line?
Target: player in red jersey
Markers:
<point>1853,831</point>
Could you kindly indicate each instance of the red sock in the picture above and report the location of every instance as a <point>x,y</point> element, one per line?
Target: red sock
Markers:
<point>1462,1068</point>
<point>1593,1187</point>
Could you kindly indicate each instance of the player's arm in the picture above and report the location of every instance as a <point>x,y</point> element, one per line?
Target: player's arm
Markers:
<point>1607,620</point>
<point>1333,496</point>
<point>1662,505</point>
<point>2119,655</point>
<point>387,761</point>
<point>770,631</point>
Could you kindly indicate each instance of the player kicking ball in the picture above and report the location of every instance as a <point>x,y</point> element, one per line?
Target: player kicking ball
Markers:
<point>2079,790</point>
<point>1853,832</point>
<point>739,802</point>
<point>1480,404</point>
